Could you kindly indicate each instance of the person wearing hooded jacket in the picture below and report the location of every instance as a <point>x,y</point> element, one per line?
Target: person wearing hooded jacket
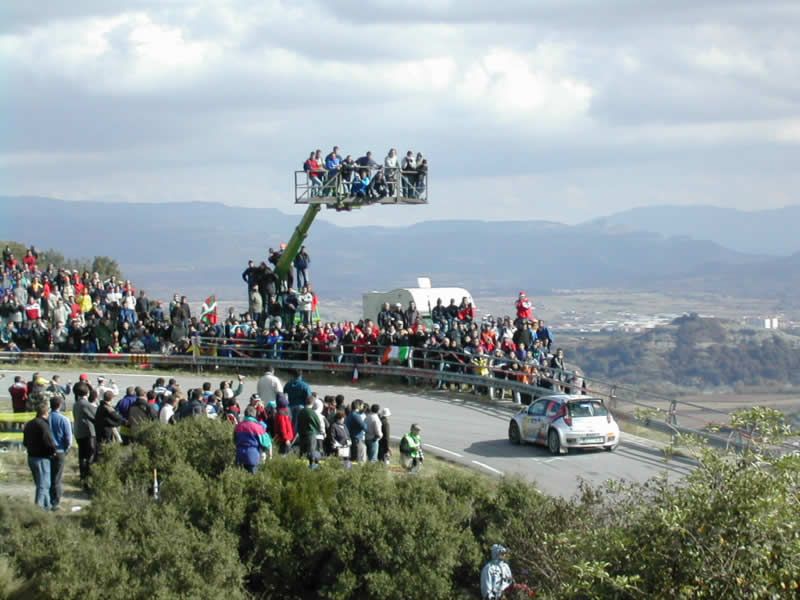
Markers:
<point>283,430</point>
<point>496,575</point>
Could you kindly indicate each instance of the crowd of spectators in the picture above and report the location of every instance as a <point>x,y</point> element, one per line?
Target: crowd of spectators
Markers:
<point>48,309</point>
<point>58,310</point>
<point>290,419</point>
<point>452,338</point>
<point>364,177</point>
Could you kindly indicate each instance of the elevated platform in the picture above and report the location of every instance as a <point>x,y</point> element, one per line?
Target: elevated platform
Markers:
<point>340,193</point>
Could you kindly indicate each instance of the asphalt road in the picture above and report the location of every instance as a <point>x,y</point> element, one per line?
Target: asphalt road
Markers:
<point>470,433</point>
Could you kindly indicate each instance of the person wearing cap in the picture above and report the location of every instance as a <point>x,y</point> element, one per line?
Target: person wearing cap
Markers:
<point>384,452</point>
<point>524,308</point>
<point>258,404</point>
<point>411,449</point>
<point>83,380</point>
<point>496,575</point>
<point>251,439</point>
<point>283,429</point>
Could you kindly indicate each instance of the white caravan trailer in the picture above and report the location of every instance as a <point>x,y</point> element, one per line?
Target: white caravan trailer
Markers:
<point>424,295</point>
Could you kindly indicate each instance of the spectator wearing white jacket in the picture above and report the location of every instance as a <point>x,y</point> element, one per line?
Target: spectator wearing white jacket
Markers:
<point>306,305</point>
<point>269,386</point>
<point>106,385</point>
<point>374,432</point>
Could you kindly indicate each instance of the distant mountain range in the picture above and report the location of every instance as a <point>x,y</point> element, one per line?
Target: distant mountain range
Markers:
<point>771,232</point>
<point>199,248</point>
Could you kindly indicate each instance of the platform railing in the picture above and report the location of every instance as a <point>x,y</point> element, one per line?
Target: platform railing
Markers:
<point>386,186</point>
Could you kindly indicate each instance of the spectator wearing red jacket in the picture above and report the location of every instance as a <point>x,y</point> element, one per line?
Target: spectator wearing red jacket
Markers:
<point>283,432</point>
<point>29,261</point>
<point>19,395</point>
<point>524,308</point>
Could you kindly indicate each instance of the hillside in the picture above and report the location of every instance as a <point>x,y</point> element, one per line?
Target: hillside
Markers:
<point>695,352</point>
<point>203,247</point>
<point>756,232</point>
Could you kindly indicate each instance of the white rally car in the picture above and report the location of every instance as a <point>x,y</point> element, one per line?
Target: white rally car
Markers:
<point>563,421</point>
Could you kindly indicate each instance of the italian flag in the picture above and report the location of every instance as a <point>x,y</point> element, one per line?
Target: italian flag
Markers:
<point>208,313</point>
<point>400,353</point>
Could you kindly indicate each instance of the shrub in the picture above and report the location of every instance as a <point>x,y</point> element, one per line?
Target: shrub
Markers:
<point>730,530</point>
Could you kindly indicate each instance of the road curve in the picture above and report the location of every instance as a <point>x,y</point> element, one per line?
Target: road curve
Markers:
<point>469,433</point>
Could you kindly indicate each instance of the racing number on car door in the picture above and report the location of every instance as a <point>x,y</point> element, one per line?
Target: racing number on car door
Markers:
<point>533,420</point>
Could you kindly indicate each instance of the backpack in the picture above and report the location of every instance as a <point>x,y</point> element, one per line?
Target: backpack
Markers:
<point>405,447</point>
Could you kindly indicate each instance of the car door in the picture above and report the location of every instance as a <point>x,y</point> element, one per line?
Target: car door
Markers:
<point>533,420</point>
<point>551,413</point>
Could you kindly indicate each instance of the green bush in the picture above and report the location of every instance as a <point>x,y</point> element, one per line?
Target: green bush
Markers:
<point>730,530</point>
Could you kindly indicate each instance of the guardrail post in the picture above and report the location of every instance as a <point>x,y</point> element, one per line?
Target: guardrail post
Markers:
<point>308,351</point>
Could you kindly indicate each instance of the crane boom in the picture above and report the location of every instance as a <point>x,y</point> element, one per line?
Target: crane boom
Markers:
<point>296,241</point>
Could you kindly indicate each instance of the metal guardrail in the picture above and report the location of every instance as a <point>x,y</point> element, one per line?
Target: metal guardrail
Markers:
<point>392,186</point>
<point>489,380</point>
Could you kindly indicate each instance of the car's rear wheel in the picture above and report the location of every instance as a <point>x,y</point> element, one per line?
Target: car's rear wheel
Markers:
<point>553,442</point>
<point>514,434</point>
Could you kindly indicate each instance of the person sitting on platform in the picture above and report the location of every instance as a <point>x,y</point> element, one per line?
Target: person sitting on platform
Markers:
<point>360,185</point>
<point>378,187</point>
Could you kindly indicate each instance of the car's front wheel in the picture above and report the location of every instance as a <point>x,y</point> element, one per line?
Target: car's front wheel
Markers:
<point>610,448</point>
<point>514,434</point>
<point>554,442</point>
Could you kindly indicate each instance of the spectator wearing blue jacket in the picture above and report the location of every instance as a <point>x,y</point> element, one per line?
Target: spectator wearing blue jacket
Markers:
<point>333,163</point>
<point>357,428</point>
<point>124,405</point>
<point>251,440</point>
<point>543,334</point>
<point>298,392</point>
<point>61,430</point>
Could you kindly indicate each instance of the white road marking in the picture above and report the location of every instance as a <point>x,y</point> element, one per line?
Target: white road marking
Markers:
<point>485,466</point>
<point>445,450</point>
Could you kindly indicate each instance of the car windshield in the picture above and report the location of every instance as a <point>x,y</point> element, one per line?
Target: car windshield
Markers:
<point>587,408</point>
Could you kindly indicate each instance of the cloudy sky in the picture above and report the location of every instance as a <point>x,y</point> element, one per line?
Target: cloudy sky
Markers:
<point>554,109</point>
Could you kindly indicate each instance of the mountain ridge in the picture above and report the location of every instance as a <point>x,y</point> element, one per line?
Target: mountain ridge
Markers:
<point>203,247</point>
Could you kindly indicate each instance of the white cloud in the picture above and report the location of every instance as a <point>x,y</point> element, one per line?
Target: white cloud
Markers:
<point>517,86</point>
<point>125,53</point>
<point>221,100</point>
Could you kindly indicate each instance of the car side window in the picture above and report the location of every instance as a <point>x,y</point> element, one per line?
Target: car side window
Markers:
<point>537,409</point>
<point>552,408</point>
